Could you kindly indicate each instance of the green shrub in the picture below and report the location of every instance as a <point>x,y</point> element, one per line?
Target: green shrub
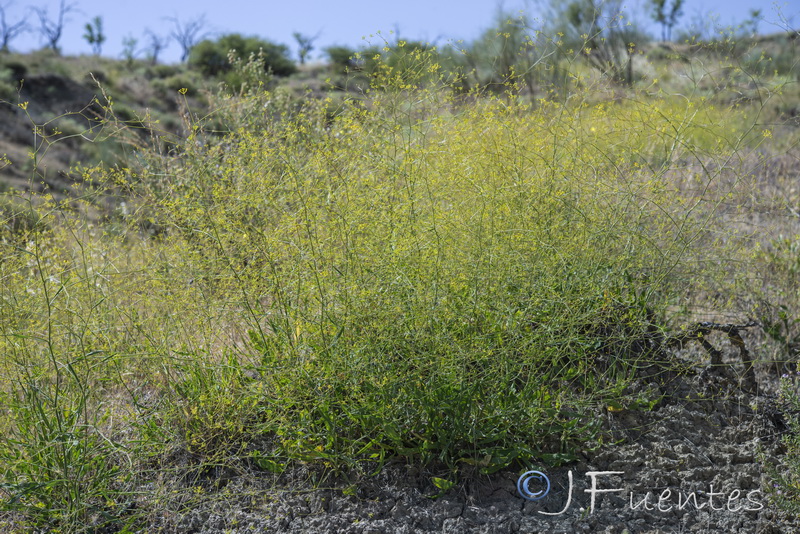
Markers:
<point>190,81</point>
<point>8,90</point>
<point>341,57</point>
<point>19,217</point>
<point>162,71</point>
<point>17,70</point>
<point>399,261</point>
<point>211,57</point>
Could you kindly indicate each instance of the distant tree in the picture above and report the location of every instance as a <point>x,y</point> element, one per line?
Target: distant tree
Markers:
<point>129,49</point>
<point>666,15</point>
<point>751,24</point>
<point>94,34</point>
<point>305,45</point>
<point>188,34</point>
<point>155,45</point>
<point>598,30</point>
<point>9,31</point>
<point>51,30</point>
<point>509,50</point>
<point>211,57</point>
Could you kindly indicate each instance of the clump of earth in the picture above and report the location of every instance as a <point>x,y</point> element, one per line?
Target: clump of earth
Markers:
<point>702,460</point>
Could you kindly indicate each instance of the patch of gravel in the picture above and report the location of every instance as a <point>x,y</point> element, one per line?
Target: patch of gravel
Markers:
<point>706,451</point>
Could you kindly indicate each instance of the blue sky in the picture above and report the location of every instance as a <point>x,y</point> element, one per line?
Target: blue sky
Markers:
<point>344,22</point>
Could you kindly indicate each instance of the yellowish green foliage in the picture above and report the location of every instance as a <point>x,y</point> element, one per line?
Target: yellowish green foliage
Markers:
<point>456,280</point>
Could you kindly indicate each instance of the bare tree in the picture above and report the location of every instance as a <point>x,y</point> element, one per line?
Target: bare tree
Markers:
<point>188,34</point>
<point>9,31</point>
<point>51,30</point>
<point>155,45</point>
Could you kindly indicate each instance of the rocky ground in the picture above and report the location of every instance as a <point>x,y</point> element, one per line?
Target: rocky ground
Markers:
<point>703,460</point>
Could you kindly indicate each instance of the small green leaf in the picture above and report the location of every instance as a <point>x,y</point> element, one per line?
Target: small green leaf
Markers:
<point>442,483</point>
<point>267,464</point>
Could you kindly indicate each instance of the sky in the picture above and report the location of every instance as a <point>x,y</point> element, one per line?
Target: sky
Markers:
<point>344,22</point>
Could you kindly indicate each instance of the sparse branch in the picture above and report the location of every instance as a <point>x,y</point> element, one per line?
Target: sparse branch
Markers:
<point>9,31</point>
<point>155,45</point>
<point>699,331</point>
<point>52,30</point>
<point>188,34</point>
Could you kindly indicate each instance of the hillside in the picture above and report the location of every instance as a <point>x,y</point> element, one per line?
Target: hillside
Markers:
<point>70,95</point>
